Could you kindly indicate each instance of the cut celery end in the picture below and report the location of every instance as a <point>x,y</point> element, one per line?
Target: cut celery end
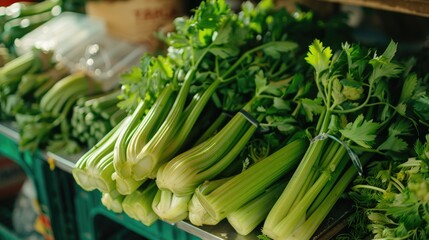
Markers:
<point>126,186</point>
<point>198,215</point>
<point>138,206</point>
<point>112,202</point>
<point>145,215</point>
<point>123,169</point>
<point>169,207</point>
<point>143,167</point>
<point>102,186</point>
<point>83,179</point>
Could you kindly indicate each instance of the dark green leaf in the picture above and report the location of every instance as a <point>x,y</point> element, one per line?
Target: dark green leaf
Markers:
<point>312,107</point>
<point>224,52</point>
<point>361,131</point>
<point>275,49</point>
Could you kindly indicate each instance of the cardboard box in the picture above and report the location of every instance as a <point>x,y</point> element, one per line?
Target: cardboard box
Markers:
<point>136,21</point>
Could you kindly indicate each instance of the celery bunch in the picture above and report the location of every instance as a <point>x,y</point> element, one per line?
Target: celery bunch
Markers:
<point>53,113</point>
<point>249,65</point>
<point>94,116</point>
<point>11,73</point>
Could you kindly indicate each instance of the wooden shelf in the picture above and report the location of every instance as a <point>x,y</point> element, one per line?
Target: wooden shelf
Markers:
<point>414,7</point>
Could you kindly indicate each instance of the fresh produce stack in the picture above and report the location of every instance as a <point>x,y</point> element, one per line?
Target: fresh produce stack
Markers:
<point>95,116</point>
<point>261,117</point>
<point>22,17</point>
<point>40,94</point>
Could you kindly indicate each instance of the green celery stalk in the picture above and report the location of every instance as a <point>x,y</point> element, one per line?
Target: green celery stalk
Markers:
<point>75,84</point>
<point>93,156</point>
<point>34,81</point>
<point>214,127</point>
<point>148,159</point>
<point>116,117</point>
<point>104,101</point>
<point>253,181</point>
<point>13,70</point>
<point>138,204</point>
<point>183,132</point>
<point>185,172</point>
<point>245,219</point>
<point>309,227</point>
<point>197,213</point>
<point>303,172</point>
<point>102,173</point>
<point>126,185</point>
<point>113,201</point>
<point>169,207</point>
<point>122,165</point>
<point>150,123</point>
<point>293,218</point>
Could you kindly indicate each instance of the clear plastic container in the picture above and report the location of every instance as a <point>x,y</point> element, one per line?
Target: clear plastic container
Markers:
<point>82,43</point>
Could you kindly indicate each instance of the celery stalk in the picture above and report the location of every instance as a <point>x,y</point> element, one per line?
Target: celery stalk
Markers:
<point>253,181</point>
<point>185,172</point>
<point>245,219</point>
<point>197,213</point>
<point>148,159</point>
<point>92,158</point>
<point>113,201</point>
<point>169,207</point>
<point>138,204</point>
<point>122,166</point>
<point>309,227</point>
<point>150,123</point>
<point>288,224</point>
<point>311,158</point>
<point>126,185</point>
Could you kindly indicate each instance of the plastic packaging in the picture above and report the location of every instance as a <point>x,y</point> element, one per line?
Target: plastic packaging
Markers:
<point>82,43</point>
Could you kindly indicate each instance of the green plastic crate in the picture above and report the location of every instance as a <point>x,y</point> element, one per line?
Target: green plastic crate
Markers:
<point>89,207</point>
<point>55,194</point>
<point>9,148</point>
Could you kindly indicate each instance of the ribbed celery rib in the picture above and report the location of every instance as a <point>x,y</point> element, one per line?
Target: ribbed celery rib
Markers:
<point>138,205</point>
<point>170,207</point>
<point>185,172</point>
<point>245,219</point>
<point>252,182</point>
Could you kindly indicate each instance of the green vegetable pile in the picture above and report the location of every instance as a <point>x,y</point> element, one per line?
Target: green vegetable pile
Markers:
<point>94,116</point>
<point>40,95</point>
<point>22,17</point>
<point>259,118</point>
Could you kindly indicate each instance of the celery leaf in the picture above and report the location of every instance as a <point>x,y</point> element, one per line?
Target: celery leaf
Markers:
<point>319,56</point>
<point>361,131</point>
<point>312,107</point>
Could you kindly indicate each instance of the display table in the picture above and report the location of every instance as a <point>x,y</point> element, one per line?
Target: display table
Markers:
<point>52,176</point>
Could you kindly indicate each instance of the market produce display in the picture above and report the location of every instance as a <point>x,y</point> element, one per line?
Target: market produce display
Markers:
<point>260,117</point>
<point>303,121</point>
<point>41,95</point>
<point>22,17</point>
<point>94,116</point>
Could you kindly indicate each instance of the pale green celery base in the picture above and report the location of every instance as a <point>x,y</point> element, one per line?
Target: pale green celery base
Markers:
<point>198,215</point>
<point>145,215</point>
<point>82,179</point>
<point>113,204</point>
<point>126,186</point>
<point>245,219</point>
<point>143,167</point>
<point>104,181</point>
<point>169,207</point>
